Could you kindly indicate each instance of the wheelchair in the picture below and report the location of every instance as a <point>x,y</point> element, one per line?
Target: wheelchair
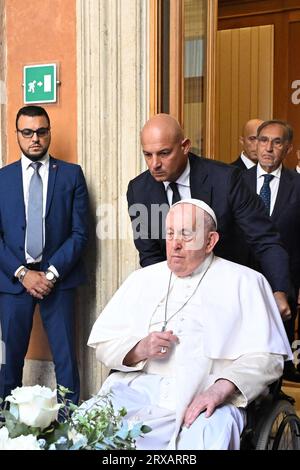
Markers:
<point>272,423</point>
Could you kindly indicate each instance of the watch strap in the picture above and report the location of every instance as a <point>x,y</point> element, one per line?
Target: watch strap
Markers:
<point>22,274</point>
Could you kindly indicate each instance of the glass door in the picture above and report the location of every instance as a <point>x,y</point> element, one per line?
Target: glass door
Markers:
<point>183,35</point>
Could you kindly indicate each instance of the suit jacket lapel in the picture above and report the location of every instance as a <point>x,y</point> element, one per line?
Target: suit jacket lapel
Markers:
<point>199,181</point>
<point>252,178</point>
<point>160,194</point>
<point>284,193</point>
<point>53,167</point>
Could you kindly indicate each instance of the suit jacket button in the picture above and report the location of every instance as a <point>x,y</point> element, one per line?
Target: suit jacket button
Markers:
<point>21,248</point>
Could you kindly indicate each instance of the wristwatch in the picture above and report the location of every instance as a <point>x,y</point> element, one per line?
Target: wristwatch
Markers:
<point>50,276</point>
<point>21,274</point>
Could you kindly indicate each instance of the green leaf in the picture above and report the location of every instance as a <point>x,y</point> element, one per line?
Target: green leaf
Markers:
<point>56,432</point>
<point>145,429</point>
<point>17,429</point>
<point>123,412</point>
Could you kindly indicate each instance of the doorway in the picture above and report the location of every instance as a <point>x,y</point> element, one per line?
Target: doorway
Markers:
<point>284,16</point>
<point>244,84</point>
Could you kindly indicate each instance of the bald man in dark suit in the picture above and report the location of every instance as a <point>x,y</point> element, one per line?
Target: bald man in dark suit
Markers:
<point>248,156</point>
<point>166,152</point>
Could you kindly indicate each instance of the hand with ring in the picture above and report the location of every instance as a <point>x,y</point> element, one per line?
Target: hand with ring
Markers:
<point>156,345</point>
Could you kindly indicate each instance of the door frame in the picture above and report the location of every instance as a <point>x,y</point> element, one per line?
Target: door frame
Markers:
<point>176,65</point>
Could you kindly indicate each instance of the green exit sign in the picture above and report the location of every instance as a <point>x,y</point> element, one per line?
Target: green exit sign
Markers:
<point>40,83</point>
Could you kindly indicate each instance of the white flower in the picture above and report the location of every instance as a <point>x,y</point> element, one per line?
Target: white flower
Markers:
<point>19,443</point>
<point>3,438</point>
<point>93,427</point>
<point>37,406</point>
<point>24,443</point>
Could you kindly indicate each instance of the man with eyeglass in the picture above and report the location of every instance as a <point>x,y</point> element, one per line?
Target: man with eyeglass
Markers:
<point>193,340</point>
<point>279,188</point>
<point>43,232</point>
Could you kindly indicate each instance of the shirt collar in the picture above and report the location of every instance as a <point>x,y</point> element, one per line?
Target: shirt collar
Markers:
<point>201,268</point>
<point>184,178</point>
<point>276,173</point>
<point>249,163</point>
<point>26,162</point>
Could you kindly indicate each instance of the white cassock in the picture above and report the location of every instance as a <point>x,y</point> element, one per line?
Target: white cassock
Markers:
<point>228,327</point>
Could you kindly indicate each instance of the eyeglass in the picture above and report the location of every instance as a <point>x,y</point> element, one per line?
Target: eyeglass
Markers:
<point>40,132</point>
<point>277,142</point>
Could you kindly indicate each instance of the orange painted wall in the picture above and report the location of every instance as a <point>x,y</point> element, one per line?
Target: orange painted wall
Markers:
<point>42,31</point>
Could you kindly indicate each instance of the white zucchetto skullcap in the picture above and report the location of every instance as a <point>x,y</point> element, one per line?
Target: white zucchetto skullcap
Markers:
<point>201,204</point>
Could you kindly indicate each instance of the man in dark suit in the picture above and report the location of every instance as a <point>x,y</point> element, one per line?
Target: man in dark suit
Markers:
<point>149,195</point>
<point>43,232</point>
<point>281,196</point>
<point>248,156</point>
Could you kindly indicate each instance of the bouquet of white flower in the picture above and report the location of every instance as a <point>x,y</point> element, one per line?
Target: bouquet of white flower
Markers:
<point>32,423</point>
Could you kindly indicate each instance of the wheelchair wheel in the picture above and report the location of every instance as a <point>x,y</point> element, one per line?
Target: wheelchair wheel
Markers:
<point>280,429</point>
<point>288,435</point>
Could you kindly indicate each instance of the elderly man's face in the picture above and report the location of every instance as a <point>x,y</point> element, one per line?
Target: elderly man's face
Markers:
<point>272,147</point>
<point>186,238</point>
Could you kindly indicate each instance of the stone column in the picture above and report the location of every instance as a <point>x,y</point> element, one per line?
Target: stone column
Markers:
<point>112,106</point>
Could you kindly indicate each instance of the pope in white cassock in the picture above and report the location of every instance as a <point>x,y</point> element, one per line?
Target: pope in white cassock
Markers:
<point>194,339</point>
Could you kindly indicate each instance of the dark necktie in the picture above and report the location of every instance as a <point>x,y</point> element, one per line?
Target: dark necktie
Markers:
<point>265,192</point>
<point>35,214</point>
<point>176,196</point>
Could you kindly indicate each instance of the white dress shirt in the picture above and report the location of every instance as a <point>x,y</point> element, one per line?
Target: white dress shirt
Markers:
<point>183,184</point>
<point>249,163</point>
<point>274,183</point>
<point>27,172</point>
<point>298,169</point>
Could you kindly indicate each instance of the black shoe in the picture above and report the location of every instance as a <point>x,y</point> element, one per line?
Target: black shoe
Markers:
<point>291,373</point>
